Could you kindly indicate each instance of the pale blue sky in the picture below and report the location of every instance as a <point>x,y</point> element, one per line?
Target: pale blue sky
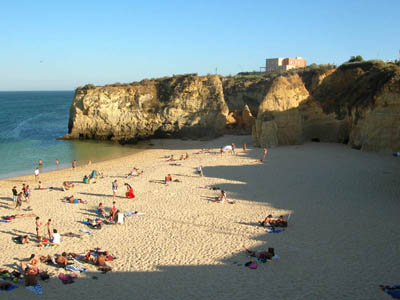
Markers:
<point>53,45</point>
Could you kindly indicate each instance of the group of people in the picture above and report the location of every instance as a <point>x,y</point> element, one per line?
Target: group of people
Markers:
<point>23,195</point>
<point>271,222</point>
<point>53,235</point>
<point>113,214</point>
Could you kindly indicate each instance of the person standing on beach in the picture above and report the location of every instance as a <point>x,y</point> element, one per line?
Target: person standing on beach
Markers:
<point>27,194</point>
<point>40,162</point>
<point>24,190</point>
<point>18,204</point>
<point>114,188</point>
<point>38,225</point>
<point>57,163</point>
<point>36,174</point>
<point>244,148</point>
<point>265,154</point>
<point>74,164</point>
<point>49,227</point>
<point>15,193</point>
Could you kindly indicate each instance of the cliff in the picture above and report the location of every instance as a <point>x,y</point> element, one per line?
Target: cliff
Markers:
<point>357,103</point>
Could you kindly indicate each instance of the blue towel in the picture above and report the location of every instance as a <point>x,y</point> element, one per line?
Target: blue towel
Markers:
<point>75,269</point>
<point>37,289</point>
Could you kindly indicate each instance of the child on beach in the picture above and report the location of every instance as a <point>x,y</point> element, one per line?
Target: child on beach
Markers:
<point>38,225</point>
<point>49,227</point>
<point>114,188</point>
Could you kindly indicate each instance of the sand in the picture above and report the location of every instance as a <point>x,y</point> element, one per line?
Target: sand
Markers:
<point>342,240</point>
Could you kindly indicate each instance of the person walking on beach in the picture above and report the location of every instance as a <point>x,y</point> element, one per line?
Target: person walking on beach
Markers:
<point>57,163</point>
<point>114,188</point>
<point>38,225</point>
<point>74,164</point>
<point>265,154</point>
<point>36,174</point>
<point>15,193</point>
<point>244,148</point>
<point>18,204</point>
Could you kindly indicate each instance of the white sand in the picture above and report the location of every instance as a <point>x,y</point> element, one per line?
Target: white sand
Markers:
<point>342,240</point>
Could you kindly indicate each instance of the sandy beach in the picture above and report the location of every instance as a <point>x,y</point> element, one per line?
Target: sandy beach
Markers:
<point>341,243</point>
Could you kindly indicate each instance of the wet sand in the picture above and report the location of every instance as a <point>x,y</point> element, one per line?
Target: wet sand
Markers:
<point>341,243</point>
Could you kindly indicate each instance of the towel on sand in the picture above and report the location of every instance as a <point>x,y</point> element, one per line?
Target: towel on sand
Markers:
<point>37,289</point>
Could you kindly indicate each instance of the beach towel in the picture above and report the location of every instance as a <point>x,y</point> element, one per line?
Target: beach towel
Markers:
<point>75,269</point>
<point>67,279</point>
<point>274,230</point>
<point>133,213</point>
<point>85,231</point>
<point>10,288</point>
<point>37,289</point>
<point>5,221</point>
<point>120,218</point>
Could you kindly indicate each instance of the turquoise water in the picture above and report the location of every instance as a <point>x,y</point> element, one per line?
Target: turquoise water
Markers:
<point>30,122</point>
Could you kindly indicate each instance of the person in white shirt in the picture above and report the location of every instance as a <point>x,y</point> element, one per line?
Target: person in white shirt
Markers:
<point>55,237</point>
<point>36,174</point>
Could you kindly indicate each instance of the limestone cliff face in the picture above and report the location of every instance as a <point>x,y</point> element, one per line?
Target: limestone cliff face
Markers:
<point>179,106</point>
<point>357,104</point>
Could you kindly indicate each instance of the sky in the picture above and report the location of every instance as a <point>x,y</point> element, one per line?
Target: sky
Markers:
<point>60,45</point>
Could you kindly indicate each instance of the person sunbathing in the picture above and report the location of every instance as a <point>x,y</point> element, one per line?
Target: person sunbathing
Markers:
<point>33,261</point>
<point>171,158</point>
<point>222,197</point>
<point>21,239</point>
<point>62,259</point>
<point>263,255</point>
<point>267,221</point>
<point>182,157</point>
<point>74,200</point>
<point>282,222</point>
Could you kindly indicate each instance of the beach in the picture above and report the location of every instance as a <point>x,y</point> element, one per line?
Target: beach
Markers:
<point>341,242</point>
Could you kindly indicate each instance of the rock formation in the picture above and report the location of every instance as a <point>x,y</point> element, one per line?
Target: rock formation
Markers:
<point>357,103</point>
<point>180,106</point>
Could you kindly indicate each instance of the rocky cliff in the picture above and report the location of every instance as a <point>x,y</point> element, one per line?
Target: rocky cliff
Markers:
<point>357,103</point>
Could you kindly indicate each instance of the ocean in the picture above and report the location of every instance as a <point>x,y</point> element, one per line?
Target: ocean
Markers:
<point>31,122</point>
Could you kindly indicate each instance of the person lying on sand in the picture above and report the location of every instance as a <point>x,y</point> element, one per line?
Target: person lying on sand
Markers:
<point>134,172</point>
<point>18,216</point>
<point>262,254</point>
<point>74,200</point>
<point>214,188</point>
<point>269,221</point>
<point>21,239</point>
<point>34,260</point>
<point>171,158</point>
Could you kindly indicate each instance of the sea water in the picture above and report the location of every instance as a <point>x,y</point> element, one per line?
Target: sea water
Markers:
<point>31,122</point>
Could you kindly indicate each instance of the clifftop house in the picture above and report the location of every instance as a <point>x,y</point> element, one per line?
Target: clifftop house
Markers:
<point>284,64</point>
